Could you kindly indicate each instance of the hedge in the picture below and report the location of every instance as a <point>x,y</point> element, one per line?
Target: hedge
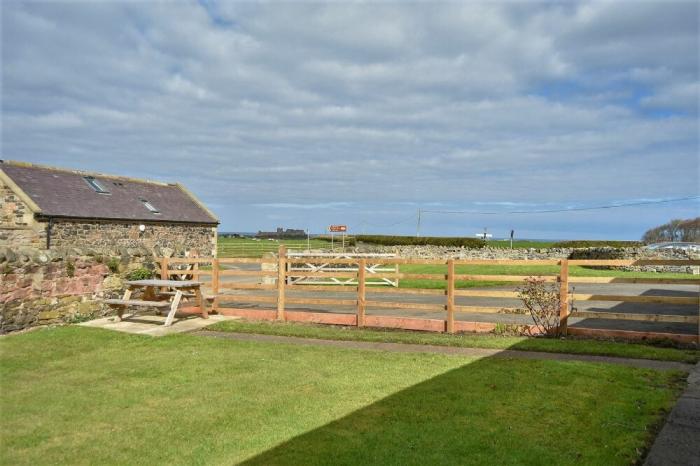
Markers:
<point>387,240</point>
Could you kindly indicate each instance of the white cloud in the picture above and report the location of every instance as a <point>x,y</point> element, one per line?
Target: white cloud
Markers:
<point>58,120</point>
<point>260,106</point>
<point>683,96</point>
<point>179,85</point>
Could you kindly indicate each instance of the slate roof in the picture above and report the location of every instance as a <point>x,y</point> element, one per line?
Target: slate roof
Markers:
<point>66,193</point>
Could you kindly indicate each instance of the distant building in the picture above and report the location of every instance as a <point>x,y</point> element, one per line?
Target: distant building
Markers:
<point>45,207</point>
<point>281,233</point>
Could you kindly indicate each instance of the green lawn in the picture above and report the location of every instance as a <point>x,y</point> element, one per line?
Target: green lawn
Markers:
<point>74,395</point>
<point>466,340</point>
<point>248,247</point>
<point>527,270</point>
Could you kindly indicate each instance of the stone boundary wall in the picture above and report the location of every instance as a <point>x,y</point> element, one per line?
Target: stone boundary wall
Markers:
<point>443,252</point>
<point>40,287</point>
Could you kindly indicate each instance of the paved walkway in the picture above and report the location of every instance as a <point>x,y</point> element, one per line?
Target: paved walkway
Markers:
<point>153,325</point>
<point>470,352</point>
<point>678,443</point>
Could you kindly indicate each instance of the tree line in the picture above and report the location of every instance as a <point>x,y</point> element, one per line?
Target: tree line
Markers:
<point>687,230</point>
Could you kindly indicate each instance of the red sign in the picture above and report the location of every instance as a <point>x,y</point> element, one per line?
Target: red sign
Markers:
<point>338,228</point>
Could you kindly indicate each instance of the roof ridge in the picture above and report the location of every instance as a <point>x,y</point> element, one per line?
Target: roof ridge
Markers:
<point>18,163</point>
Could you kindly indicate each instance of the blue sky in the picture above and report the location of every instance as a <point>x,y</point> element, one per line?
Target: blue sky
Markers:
<point>305,114</point>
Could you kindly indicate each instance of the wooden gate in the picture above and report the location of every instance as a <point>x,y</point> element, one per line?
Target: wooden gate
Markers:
<point>305,269</point>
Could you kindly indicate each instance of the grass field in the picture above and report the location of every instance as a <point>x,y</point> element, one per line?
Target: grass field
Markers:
<point>75,395</point>
<point>526,270</point>
<point>549,345</point>
<point>248,247</point>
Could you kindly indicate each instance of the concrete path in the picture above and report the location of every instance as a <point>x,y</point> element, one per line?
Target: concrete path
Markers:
<point>153,325</point>
<point>470,352</point>
<point>678,443</point>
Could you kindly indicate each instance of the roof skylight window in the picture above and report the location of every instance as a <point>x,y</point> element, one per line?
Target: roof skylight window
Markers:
<point>94,184</point>
<point>150,206</point>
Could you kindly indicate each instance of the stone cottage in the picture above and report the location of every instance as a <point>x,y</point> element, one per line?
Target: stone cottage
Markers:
<point>45,208</point>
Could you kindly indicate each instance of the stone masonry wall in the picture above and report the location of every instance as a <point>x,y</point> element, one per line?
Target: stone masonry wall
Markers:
<point>125,238</point>
<point>442,252</point>
<point>17,224</point>
<point>48,287</point>
<point>43,287</point>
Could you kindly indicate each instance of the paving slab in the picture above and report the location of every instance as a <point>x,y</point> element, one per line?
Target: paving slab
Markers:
<point>678,443</point>
<point>153,325</point>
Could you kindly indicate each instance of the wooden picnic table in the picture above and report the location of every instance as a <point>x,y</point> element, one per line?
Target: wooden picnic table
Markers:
<point>154,296</point>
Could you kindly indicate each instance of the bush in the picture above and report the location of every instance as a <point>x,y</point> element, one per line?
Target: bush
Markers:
<point>70,268</point>
<point>541,301</point>
<point>597,244</point>
<point>113,265</point>
<point>388,240</point>
<point>140,274</point>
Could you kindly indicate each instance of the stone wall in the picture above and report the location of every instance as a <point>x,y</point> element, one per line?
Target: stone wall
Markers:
<point>17,224</point>
<point>51,287</point>
<point>125,238</point>
<point>442,252</point>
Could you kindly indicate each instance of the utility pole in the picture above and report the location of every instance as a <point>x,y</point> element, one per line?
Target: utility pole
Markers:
<point>308,240</point>
<point>418,225</point>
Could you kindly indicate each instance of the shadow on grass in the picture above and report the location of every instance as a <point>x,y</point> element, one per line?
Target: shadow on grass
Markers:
<point>495,411</point>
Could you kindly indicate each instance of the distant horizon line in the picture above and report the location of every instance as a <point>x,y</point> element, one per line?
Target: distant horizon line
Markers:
<point>538,240</point>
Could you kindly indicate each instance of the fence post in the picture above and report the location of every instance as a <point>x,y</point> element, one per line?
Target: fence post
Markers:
<point>281,281</point>
<point>361,267</point>
<point>215,276</point>
<point>450,307</point>
<point>164,268</point>
<point>563,296</point>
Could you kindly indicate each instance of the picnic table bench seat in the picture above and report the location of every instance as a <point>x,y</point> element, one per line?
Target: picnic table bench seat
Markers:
<point>153,290</point>
<point>172,293</point>
<point>137,302</point>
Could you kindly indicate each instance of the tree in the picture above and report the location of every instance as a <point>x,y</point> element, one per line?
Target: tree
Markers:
<point>676,230</point>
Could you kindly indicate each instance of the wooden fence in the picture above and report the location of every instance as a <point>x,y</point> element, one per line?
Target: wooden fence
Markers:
<point>271,277</point>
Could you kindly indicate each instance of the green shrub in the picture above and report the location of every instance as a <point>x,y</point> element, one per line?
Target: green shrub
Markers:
<point>113,264</point>
<point>140,274</point>
<point>388,240</point>
<point>78,318</point>
<point>70,268</point>
<point>597,244</point>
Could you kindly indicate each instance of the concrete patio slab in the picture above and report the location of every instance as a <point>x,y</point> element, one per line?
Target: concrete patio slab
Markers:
<point>678,443</point>
<point>153,325</point>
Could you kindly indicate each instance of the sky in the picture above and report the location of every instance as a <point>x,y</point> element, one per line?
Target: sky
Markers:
<point>303,115</point>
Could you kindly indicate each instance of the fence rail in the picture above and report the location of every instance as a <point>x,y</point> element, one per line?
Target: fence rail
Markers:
<point>283,279</point>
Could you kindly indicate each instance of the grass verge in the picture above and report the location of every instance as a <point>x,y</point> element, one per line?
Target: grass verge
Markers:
<point>75,395</point>
<point>465,340</point>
